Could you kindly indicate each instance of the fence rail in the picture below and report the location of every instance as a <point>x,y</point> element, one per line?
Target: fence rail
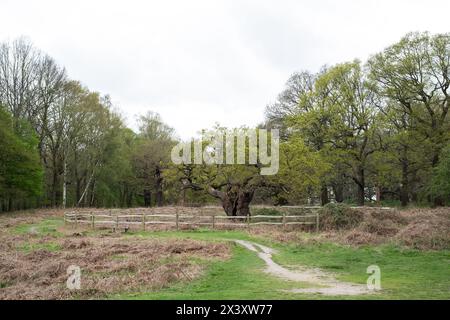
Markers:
<point>116,218</point>
<point>177,220</point>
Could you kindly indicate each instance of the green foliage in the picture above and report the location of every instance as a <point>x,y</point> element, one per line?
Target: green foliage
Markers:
<point>440,182</point>
<point>301,170</point>
<point>355,129</point>
<point>379,128</point>
<point>20,168</point>
<point>150,160</point>
<point>412,82</point>
<point>337,119</point>
<point>116,180</point>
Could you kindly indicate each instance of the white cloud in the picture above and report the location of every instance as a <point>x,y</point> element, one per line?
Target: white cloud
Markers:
<point>201,62</point>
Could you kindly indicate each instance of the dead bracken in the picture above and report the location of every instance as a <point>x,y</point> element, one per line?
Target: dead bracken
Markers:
<point>34,256</point>
<point>422,229</point>
<point>31,268</point>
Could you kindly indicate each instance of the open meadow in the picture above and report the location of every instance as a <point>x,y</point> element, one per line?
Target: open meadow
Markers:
<point>411,248</point>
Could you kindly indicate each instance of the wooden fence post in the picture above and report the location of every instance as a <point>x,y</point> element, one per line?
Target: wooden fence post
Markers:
<point>176,220</point>
<point>117,223</point>
<point>76,220</point>
<point>92,220</point>
<point>317,221</point>
<point>213,220</point>
<point>143,221</point>
<point>248,221</point>
<point>284,220</point>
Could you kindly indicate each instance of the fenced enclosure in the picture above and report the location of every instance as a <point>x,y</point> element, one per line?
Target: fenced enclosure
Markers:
<point>207,216</point>
<point>212,217</point>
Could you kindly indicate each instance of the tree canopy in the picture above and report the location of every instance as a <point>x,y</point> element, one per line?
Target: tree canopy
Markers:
<point>356,132</point>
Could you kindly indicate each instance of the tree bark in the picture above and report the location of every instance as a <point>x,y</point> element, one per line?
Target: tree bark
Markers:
<point>324,195</point>
<point>378,195</point>
<point>360,198</point>
<point>404,198</point>
<point>361,186</point>
<point>91,204</point>
<point>54,183</point>
<point>338,190</point>
<point>234,202</point>
<point>159,188</point>
<point>147,198</point>
<point>64,200</point>
<point>83,195</point>
<point>243,203</point>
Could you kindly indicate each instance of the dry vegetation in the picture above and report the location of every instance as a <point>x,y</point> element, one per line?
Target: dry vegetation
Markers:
<point>33,263</point>
<point>423,229</point>
<point>8,220</point>
<point>418,228</point>
<point>34,266</point>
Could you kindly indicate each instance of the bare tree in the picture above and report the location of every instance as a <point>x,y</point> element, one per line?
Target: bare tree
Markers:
<point>19,64</point>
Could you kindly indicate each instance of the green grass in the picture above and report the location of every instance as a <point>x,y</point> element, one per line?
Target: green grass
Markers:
<point>237,278</point>
<point>405,274</point>
<point>44,227</point>
<point>28,247</point>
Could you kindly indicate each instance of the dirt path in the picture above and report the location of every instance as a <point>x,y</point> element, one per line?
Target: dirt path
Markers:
<point>326,283</point>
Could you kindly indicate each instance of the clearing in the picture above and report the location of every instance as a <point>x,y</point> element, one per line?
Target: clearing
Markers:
<point>264,263</point>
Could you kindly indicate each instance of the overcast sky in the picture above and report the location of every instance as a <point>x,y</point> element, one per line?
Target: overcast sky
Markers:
<point>201,62</point>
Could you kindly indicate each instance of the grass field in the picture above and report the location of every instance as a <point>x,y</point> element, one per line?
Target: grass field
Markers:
<point>405,273</point>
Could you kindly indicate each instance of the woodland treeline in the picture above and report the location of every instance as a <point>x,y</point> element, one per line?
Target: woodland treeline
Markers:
<point>64,145</point>
<point>382,126</point>
<point>356,132</point>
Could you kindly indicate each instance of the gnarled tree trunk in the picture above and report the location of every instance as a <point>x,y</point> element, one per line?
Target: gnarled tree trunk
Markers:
<point>235,201</point>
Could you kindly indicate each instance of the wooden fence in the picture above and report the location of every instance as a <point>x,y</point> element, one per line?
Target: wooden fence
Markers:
<point>203,216</point>
<point>142,220</point>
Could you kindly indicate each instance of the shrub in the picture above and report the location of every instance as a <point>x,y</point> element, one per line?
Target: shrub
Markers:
<point>439,187</point>
<point>356,237</point>
<point>427,230</point>
<point>379,227</point>
<point>393,215</point>
<point>339,216</point>
<point>383,223</point>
